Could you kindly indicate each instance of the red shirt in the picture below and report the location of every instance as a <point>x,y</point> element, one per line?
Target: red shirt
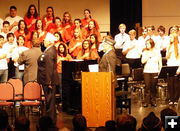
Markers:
<point>83,32</point>
<point>45,20</point>
<point>85,23</point>
<point>29,21</point>
<point>72,43</point>
<point>95,32</point>
<point>68,28</point>
<point>27,37</point>
<point>65,36</point>
<point>59,64</point>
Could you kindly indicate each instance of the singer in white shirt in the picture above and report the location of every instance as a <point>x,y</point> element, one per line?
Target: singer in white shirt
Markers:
<point>121,38</point>
<point>151,58</point>
<point>173,59</point>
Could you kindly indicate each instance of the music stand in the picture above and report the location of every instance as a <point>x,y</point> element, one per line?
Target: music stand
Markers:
<point>167,71</point>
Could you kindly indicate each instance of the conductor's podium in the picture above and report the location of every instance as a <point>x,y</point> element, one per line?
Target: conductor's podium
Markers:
<point>98,99</point>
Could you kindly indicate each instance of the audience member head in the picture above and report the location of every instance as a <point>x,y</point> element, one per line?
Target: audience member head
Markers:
<point>151,123</point>
<point>45,124</point>
<point>101,128</point>
<point>79,123</point>
<point>22,123</point>
<point>166,112</point>
<point>126,122</point>
<point>110,125</point>
<point>13,11</point>
<point>122,28</point>
<point>3,120</point>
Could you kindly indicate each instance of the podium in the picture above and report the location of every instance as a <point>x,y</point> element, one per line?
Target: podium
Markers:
<point>98,98</point>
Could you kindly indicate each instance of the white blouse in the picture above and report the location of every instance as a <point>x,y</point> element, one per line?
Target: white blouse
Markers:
<point>153,62</point>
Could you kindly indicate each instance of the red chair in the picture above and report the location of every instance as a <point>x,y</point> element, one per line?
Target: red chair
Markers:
<point>31,96</point>
<point>18,87</point>
<point>7,97</point>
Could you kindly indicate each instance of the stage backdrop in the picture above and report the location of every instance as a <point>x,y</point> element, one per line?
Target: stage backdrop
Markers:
<point>161,12</point>
<point>100,9</point>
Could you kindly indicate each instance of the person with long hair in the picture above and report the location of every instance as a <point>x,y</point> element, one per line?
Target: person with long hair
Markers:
<point>40,29</point>
<point>173,59</point>
<point>67,23</point>
<point>33,35</point>
<point>78,25</point>
<point>59,39</point>
<point>75,44</point>
<point>86,53</point>
<point>87,18</point>
<point>22,30</point>
<point>62,55</point>
<point>56,27</point>
<point>31,17</point>
<point>48,18</point>
<point>92,29</point>
<point>151,58</point>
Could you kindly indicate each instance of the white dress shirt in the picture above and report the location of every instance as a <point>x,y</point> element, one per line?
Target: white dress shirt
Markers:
<point>133,53</point>
<point>120,40</point>
<point>11,20</point>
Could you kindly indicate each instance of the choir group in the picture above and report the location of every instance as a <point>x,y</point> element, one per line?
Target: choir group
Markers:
<point>81,39</point>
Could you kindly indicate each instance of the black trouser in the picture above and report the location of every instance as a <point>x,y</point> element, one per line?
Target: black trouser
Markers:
<point>150,90</point>
<point>50,95</point>
<point>173,88</point>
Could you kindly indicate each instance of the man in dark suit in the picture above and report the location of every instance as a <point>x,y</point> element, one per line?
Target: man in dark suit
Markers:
<point>48,76</point>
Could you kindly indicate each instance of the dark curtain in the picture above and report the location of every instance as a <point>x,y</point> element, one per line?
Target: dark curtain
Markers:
<point>128,12</point>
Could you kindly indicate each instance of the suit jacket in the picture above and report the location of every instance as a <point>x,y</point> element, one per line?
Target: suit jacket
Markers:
<point>47,67</point>
<point>108,62</point>
<point>29,58</point>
